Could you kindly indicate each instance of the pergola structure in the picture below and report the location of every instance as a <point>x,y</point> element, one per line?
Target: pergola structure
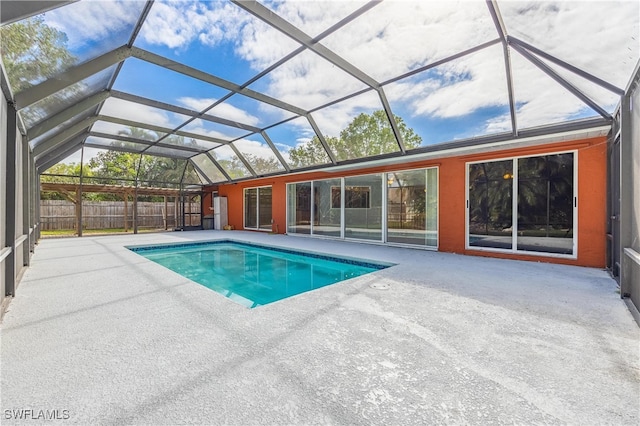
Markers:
<point>73,192</point>
<point>238,90</point>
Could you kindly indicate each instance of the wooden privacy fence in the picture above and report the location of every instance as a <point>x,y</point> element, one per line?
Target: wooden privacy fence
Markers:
<point>60,215</point>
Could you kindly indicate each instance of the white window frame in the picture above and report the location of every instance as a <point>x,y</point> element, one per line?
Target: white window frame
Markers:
<point>514,207</point>
<point>244,208</point>
<point>386,225</point>
<point>384,238</point>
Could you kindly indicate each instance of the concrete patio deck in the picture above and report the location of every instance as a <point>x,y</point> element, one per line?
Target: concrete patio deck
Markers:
<point>104,336</point>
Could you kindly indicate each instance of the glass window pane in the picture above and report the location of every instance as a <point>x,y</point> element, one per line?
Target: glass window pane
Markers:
<point>327,207</point>
<point>209,168</point>
<point>357,128</point>
<point>66,97</point>
<point>240,44</point>
<point>169,152</point>
<point>425,104</point>
<point>407,207</point>
<point>122,130</point>
<point>156,171</point>
<point>178,140</point>
<point>229,161</point>
<point>308,81</point>
<point>363,207</point>
<point>540,100</point>
<point>124,146</point>
<point>148,80</point>
<point>214,130</point>
<point>249,111</point>
<point>258,154</point>
<point>67,36</point>
<point>251,208</point>
<point>314,17</point>
<point>490,204</point>
<point>545,204</point>
<point>298,143</point>
<point>603,97</point>
<point>111,167</point>
<point>581,33</point>
<point>119,108</point>
<point>299,208</point>
<point>264,208</point>
<point>191,176</point>
<point>396,37</point>
<point>61,127</point>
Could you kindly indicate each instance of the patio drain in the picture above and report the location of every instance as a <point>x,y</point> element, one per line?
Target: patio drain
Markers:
<point>380,286</point>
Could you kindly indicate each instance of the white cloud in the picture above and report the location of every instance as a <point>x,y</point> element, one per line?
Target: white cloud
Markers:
<point>119,108</point>
<point>197,104</point>
<point>91,21</point>
<point>224,152</point>
<point>395,37</point>
<point>599,36</point>
<point>199,127</point>
<point>89,153</point>
<point>314,17</point>
<point>309,81</point>
<point>256,148</point>
<point>334,119</point>
<point>230,112</point>
<point>108,127</point>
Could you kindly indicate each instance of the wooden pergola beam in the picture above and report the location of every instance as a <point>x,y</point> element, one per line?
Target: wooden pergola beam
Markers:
<point>111,189</point>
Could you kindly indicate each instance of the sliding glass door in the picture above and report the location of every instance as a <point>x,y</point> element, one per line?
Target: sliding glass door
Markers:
<point>395,207</point>
<point>412,207</point>
<point>327,207</point>
<point>490,204</point>
<point>299,208</point>
<point>545,204</point>
<point>363,207</point>
<point>257,208</point>
<point>542,217</point>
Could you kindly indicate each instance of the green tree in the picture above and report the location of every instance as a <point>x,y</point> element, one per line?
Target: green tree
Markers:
<point>115,167</point>
<point>33,51</point>
<point>61,173</point>
<point>366,135</point>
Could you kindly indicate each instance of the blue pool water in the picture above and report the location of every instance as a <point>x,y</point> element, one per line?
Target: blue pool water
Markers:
<point>254,275</point>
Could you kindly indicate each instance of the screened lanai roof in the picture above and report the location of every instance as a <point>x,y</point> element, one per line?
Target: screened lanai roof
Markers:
<point>242,89</point>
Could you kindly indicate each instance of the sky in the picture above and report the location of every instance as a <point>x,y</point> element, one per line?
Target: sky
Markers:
<point>463,98</point>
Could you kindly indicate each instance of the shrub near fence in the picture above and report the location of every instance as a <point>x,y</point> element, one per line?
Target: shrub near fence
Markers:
<point>60,215</point>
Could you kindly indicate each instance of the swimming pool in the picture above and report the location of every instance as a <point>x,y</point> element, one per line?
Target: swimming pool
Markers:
<point>252,274</point>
